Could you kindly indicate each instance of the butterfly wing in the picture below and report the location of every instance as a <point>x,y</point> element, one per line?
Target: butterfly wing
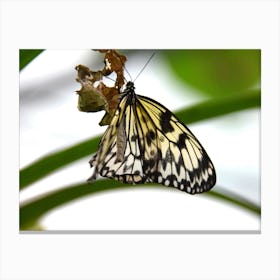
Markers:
<point>120,154</point>
<point>173,155</point>
<point>145,142</point>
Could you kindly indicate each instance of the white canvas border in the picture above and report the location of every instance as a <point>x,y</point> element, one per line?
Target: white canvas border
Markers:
<point>135,24</point>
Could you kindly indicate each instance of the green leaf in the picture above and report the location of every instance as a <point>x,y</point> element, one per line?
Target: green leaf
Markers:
<point>32,212</point>
<point>48,164</point>
<point>26,56</point>
<point>205,110</point>
<point>217,72</point>
<point>220,106</point>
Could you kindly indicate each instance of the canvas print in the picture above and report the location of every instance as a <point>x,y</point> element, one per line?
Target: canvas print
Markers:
<point>140,141</point>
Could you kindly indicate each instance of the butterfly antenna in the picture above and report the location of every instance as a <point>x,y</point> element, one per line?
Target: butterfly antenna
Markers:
<point>127,73</point>
<point>109,78</point>
<point>144,66</point>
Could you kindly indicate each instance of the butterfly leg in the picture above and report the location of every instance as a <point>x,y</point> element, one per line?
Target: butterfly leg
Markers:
<point>92,164</point>
<point>92,160</point>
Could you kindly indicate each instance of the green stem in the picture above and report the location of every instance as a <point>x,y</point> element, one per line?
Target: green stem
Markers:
<point>32,211</point>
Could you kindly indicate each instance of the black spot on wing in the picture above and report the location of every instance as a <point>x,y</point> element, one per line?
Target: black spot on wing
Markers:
<point>191,174</point>
<point>204,162</point>
<point>179,164</point>
<point>165,123</point>
<point>133,138</point>
<point>148,164</point>
<point>182,140</point>
<point>150,136</point>
<point>170,179</point>
<point>167,159</point>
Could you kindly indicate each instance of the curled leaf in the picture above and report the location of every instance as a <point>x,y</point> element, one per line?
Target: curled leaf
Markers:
<point>112,97</point>
<point>114,62</point>
<point>90,99</point>
<point>95,95</point>
<point>86,75</point>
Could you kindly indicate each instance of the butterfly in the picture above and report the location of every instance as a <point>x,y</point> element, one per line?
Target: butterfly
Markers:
<point>145,142</point>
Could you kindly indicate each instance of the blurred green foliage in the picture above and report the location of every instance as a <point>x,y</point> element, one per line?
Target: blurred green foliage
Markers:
<point>26,56</point>
<point>216,72</point>
<point>230,77</point>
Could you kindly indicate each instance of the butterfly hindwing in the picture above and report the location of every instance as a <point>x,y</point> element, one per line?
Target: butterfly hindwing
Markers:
<point>119,154</point>
<point>145,142</point>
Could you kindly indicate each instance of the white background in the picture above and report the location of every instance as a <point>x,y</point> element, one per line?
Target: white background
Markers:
<point>200,24</point>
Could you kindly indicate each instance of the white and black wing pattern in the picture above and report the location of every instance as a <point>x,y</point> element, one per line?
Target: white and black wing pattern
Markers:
<point>145,142</point>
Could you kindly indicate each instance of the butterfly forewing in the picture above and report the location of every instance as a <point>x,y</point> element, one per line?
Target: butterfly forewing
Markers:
<point>145,142</point>
<point>183,163</point>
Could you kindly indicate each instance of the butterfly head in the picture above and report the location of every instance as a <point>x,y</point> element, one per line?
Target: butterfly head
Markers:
<point>129,92</point>
<point>129,88</point>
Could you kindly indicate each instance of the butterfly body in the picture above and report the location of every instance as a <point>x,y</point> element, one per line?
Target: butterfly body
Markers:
<point>145,142</point>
